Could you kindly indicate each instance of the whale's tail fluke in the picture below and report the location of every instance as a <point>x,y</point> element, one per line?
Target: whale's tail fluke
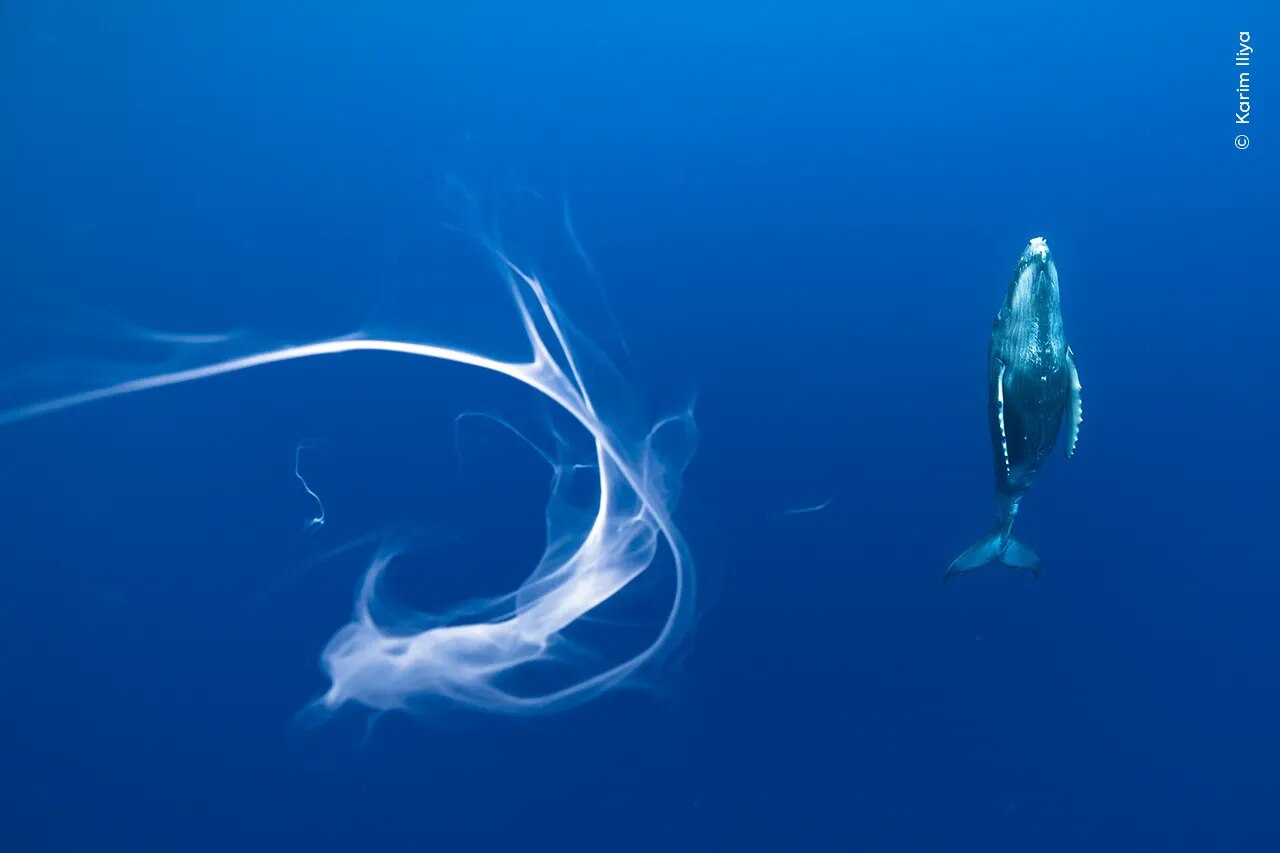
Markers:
<point>998,546</point>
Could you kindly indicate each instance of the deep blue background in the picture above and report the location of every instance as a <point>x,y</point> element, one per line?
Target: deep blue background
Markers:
<point>807,214</point>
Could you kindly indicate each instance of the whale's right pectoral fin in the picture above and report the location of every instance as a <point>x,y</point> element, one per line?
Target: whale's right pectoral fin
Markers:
<point>1004,439</point>
<point>1075,414</point>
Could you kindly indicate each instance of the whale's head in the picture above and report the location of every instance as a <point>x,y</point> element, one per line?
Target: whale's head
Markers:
<point>1035,279</point>
<point>1036,254</point>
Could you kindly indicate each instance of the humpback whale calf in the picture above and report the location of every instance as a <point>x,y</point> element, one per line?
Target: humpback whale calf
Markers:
<point>1032,384</point>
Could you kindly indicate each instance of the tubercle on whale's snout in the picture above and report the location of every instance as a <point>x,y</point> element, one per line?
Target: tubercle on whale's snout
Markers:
<point>1037,253</point>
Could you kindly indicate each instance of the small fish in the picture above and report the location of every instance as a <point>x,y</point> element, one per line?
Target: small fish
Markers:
<point>803,510</point>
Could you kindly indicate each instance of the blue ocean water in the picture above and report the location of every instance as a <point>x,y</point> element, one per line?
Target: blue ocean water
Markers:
<point>802,218</point>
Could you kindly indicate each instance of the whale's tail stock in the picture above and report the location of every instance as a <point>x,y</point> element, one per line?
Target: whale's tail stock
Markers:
<point>997,546</point>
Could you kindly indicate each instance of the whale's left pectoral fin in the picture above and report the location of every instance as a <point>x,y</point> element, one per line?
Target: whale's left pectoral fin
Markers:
<point>1004,439</point>
<point>1076,409</point>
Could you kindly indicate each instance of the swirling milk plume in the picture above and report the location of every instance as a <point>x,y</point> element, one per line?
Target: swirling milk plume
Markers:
<point>469,656</point>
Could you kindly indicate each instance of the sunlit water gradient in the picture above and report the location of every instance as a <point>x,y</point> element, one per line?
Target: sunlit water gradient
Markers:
<point>803,215</point>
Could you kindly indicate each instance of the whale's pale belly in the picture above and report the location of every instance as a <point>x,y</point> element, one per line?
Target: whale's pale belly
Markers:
<point>1029,379</point>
